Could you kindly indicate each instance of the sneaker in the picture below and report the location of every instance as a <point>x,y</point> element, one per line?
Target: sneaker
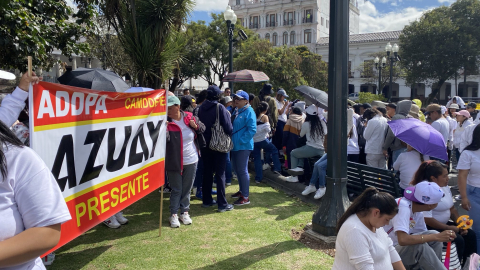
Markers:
<point>308,190</point>
<point>229,207</point>
<point>280,176</point>
<point>174,223</point>
<point>320,192</point>
<point>458,197</point>
<point>258,181</point>
<point>120,218</point>
<point>266,166</point>
<point>237,195</point>
<point>228,184</point>
<point>185,218</point>
<point>112,222</point>
<point>198,194</point>
<point>166,189</point>
<point>48,260</point>
<point>296,171</point>
<point>242,201</point>
<point>292,179</point>
<point>204,205</point>
<point>234,176</point>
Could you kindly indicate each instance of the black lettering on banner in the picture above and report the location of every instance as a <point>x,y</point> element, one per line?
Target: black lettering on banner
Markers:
<point>114,165</point>
<point>154,131</point>
<point>91,172</point>
<point>136,158</point>
<point>65,149</point>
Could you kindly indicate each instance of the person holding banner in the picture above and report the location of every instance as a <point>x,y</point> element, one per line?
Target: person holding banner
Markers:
<point>182,152</point>
<point>32,207</point>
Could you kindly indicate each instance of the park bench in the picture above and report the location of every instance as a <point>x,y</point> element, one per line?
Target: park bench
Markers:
<point>360,177</point>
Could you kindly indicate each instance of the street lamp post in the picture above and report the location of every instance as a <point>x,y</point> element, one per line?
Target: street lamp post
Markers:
<point>379,66</point>
<point>393,58</point>
<point>231,19</point>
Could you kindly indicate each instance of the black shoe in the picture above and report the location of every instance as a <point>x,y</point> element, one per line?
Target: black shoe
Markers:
<point>209,204</point>
<point>229,207</point>
<point>237,195</point>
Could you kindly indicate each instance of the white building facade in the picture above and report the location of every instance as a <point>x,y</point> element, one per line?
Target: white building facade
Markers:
<point>362,46</point>
<point>290,22</point>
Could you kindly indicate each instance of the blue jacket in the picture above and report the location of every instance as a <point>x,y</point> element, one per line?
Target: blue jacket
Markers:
<point>244,128</point>
<point>208,114</point>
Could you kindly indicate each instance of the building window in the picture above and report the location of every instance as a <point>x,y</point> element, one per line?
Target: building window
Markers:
<point>328,24</point>
<point>285,38</point>
<point>271,21</point>
<point>274,39</point>
<point>238,2</point>
<point>292,38</point>
<point>322,21</point>
<point>307,38</point>
<point>308,16</point>
<point>289,18</point>
<point>254,22</point>
<point>267,37</point>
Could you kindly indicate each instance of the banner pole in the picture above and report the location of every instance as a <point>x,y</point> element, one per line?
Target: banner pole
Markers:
<point>161,212</point>
<point>29,59</point>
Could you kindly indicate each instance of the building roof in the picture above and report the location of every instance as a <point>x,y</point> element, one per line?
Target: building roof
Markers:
<point>369,37</point>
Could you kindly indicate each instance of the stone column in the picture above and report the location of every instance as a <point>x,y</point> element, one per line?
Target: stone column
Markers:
<point>58,70</point>
<point>74,62</point>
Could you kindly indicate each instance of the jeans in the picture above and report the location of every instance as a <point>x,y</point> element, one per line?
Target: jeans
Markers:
<point>278,136</point>
<point>228,170</point>
<point>306,151</point>
<point>240,165</point>
<point>199,175</point>
<point>268,149</point>
<point>473,195</point>
<point>319,172</point>
<point>181,183</point>
<point>397,153</point>
<point>376,161</point>
<point>214,162</point>
<point>422,256</point>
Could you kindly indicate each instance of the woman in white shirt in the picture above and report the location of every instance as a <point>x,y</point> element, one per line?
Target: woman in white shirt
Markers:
<point>315,130</point>
<point>32,207</point>
<point>374,134</point>
<point>463,122</point>
<point>361,241</point>
<point>439,218</point>
<point>469,181</point>
<point>407,164</point>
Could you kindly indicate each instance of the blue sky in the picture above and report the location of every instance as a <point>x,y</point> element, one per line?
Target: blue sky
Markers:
<point>375,15</point>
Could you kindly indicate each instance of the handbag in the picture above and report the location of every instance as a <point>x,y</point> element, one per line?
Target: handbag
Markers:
<point>220,141</point>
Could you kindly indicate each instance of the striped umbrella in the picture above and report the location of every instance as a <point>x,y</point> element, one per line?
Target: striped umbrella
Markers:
<point>246,76</point>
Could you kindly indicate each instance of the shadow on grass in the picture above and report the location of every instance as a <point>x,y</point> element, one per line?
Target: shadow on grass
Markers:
<point>78,259</point>
<point>246,259</point>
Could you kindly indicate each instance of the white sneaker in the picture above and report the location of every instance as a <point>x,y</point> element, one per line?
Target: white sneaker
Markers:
<point>266,166</point>
<point>308,190</point>
<point>120,218</point>
<point>174,223</point>
<point>234,176</point>
<point>296,171</point>
<point>320,192</point>
<point>48,260</point>
<point>112,222</point>
<point>185,218</point>
<point>292,179</point>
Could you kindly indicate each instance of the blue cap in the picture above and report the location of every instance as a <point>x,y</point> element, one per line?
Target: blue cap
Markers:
<point>242,94</point>
<point>172,100</point>
<point>282,92</point>
<point>215,90</point>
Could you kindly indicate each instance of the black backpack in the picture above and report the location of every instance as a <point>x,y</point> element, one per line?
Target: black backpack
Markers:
<point>360,129</point>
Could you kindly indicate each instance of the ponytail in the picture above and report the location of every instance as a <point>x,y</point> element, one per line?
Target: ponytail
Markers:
<point>370,198</point>
<point>426,170</point>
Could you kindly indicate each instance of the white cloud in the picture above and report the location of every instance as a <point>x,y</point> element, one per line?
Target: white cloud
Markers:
<point>449,2</point>
<point>211,5</point>
<point>373,21</point>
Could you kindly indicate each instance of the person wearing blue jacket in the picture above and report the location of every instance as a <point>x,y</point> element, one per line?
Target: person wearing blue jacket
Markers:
<point>244,128</point>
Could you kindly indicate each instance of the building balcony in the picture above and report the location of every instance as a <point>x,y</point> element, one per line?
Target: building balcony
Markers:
<point>307,20</point>
<point>271,24</point>
<point>289,22</point>
<point>253,26</point>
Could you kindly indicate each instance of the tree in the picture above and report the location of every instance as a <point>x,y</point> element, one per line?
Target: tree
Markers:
<point>313,68</point>
<point>367,97</point>
<point>149,32</point>
<point>370,75</point>
<point>36,28</point>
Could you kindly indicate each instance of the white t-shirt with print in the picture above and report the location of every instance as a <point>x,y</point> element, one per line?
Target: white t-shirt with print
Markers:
<point>190,154</point>
<point>442,211</point>
<point>29,197</point>
<point>281,117</point>
<point>470,160</point>
<point>407,163</point>
<point>443,127</point>
<point>405,221</point>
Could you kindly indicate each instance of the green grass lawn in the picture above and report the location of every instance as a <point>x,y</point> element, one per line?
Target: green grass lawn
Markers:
<point>255,236</point>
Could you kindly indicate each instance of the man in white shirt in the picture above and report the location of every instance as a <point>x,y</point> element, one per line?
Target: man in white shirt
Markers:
<point>434,112</point>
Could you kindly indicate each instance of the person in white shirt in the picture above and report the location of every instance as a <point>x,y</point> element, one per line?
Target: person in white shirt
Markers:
<point>440,123</point>
<point>361,241</point>
<point>315,130</point>
<point>462,118</point>
<point>418,247</point>
<point>469,181</point>
<point>374,134</point>
<point>407,164</point>
<point>32,207</point>
<point>439,218</point>
<point>467,137</point>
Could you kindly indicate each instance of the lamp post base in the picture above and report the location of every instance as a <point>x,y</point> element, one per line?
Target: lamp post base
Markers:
<point>333,206</point>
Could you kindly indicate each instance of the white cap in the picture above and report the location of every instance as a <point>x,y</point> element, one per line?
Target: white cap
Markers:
<point>227,99</point>
<point>7,75</point>
<point>424,192</point>
<point>312,110</point>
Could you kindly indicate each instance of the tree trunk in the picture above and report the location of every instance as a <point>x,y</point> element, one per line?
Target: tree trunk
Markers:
<point>435,91</point>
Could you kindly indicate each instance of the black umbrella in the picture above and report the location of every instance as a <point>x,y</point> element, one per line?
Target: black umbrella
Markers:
<point>94,78</point>
<point>315,96</point>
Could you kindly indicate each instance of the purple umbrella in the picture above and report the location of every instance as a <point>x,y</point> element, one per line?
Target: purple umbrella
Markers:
<point>421,136</point>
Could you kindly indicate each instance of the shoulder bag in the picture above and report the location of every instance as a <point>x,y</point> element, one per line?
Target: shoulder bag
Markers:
<point>220,141</point>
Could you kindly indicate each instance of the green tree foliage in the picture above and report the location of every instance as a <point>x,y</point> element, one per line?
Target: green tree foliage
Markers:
<point>149,32</point>
<point>35,28</point>
<point>370,74</point>
<point>367,97</point>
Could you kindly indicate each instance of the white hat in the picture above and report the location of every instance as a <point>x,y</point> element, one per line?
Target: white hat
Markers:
<point>227,99</point>
<point>312,110</point>
<point>424,193</point>
<point>300,105</point>
<point>7,75</point>
<point>444,109</point>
